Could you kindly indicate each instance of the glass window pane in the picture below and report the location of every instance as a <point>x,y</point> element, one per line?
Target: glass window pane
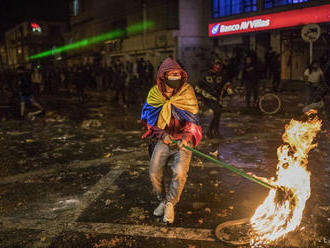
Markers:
<point>222,8</point>
<point>276,3</point>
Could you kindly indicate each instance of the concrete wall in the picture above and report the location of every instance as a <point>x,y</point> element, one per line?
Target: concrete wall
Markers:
<point>194,46</point>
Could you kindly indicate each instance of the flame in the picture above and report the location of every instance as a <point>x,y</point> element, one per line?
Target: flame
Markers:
<point>282,210</point>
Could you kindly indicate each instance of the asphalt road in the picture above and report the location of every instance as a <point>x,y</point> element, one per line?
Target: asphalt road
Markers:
<point>78,177</point>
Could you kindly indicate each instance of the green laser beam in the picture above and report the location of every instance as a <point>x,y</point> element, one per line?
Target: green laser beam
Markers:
<point>133,29</point>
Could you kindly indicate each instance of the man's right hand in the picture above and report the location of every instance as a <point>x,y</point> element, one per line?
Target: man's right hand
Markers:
<point>167,140</point>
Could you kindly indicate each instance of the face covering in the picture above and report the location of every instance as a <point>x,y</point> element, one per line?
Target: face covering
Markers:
<point>173,81</point>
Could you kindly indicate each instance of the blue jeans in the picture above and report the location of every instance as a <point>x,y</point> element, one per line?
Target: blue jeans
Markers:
<point>180,168</point>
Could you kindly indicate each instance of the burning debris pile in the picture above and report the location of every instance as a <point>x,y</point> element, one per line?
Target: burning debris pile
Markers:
<point>282,210</point>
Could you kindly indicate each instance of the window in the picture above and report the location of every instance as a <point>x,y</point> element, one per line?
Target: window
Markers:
<point>275,3</point>
<point>222,8</point>
<point>75,6</point>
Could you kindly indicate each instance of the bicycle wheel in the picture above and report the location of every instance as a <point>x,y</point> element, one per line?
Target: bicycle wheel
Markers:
<point>269,103</point>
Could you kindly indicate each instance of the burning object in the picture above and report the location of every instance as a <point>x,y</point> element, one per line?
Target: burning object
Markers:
<point>282,210</point>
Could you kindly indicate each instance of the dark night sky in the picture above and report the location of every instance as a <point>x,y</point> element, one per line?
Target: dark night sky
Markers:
<point>14,11</point>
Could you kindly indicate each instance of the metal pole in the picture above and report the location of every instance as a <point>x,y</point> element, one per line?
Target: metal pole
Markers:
<point>228,166</point>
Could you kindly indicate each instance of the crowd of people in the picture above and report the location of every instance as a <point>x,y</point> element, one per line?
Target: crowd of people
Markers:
<point>273,68</point>
<point>122,76</point>
<point>119,78</point>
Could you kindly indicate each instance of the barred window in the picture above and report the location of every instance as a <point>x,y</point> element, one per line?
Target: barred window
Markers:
<point>221,8</point>
<point>275,3</point>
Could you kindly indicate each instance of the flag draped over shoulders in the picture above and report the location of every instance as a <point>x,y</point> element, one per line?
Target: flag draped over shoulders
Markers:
<point>184,104</point>
<point>158,111</point>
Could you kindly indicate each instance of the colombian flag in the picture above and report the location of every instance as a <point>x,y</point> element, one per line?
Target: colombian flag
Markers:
<point>183,105</point>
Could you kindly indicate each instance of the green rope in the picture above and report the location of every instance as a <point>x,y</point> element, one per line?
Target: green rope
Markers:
<point>228,166</point>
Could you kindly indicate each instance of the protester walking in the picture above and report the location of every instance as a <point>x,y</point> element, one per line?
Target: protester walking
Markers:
<point>170,112</point>
<point>313,76</point>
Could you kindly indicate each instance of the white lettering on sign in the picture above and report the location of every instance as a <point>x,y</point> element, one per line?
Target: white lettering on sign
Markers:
<point>259,23</point>
<point>244,25</point>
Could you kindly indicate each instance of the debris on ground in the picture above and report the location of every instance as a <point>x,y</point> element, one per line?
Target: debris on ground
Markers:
<point>136,213</point>
<point>97,140</point>
<point>53,117</point>
<point>108,155</point>
<point>107,243</point>
<point>90,123</point>
<point>119,149</point>
<point>108,202</point>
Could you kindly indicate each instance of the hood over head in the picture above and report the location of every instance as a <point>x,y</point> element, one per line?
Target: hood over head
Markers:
<point>167,65</point>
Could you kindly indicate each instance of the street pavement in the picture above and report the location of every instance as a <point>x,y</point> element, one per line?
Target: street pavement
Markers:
<point>78,177</point>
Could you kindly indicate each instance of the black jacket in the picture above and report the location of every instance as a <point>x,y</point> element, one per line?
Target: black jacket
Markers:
<point>25,84</point>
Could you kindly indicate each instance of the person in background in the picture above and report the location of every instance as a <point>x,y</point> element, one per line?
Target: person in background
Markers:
<point>49,81</point>
<point>170,112</point>
<point>80,78</point>
<point>26,91</point>
<point>119,84</point>
<point>108,79</point>
<point>36,79</point>
<point>62,78</point>
<point>141,70</point>
<point>276,72</point>
<point>211,89</point>
<point>269,59</point>
<point>98,74</point>
<point>251,81</point>
<point>313,76</point>
<point>149,73</point>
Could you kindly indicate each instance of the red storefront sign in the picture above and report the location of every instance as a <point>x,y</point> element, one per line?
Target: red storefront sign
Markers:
<point>283,19</point>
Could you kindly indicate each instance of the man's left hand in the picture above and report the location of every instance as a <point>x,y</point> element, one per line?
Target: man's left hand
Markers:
<point>182,143</point>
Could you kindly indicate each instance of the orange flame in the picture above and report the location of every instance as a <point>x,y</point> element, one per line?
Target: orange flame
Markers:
<point>282,210</point>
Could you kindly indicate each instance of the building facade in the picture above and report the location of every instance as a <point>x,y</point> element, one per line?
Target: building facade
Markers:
<point>261,25</point>
<point>29,38</point>
<point>177,31</point>
<point>3,56</point>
